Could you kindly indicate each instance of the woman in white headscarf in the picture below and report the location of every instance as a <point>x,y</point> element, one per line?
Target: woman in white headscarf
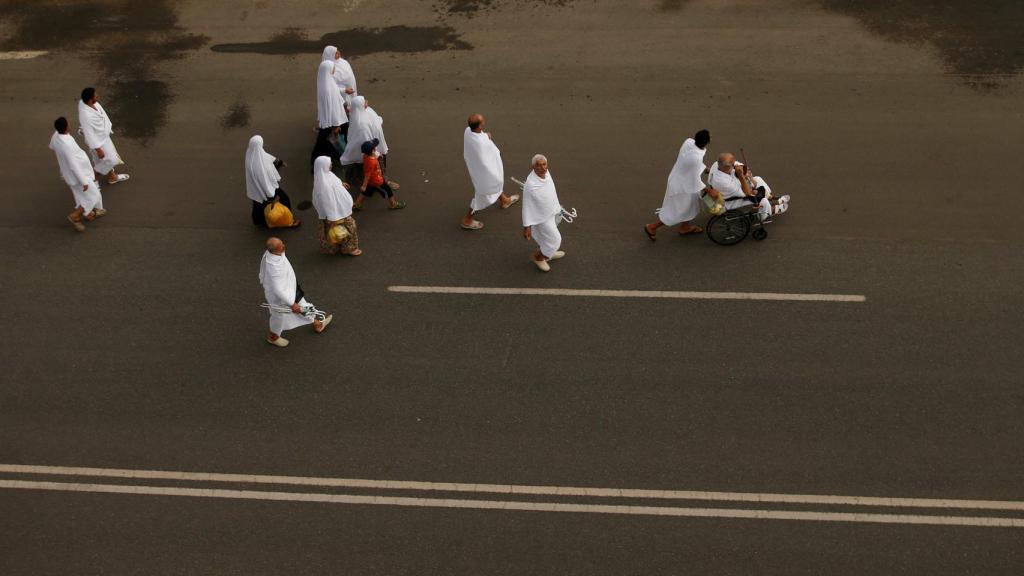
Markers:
<point>334,205</point>
<point>330,107</point>
<point>261,181</point>
<point>343,74</point>
<point>359,131</point>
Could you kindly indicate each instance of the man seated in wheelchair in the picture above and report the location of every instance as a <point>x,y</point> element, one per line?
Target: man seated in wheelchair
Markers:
<point>735,184</point>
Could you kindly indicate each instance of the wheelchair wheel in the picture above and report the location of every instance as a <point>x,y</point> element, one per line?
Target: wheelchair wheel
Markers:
<point>728,229</point>
<point>759,234</point>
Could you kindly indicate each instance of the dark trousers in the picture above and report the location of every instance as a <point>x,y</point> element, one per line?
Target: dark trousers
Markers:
<point>257,207</point>
<point>384,190</point>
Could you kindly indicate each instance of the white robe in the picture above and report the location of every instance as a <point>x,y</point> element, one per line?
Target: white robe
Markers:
<point>278,279</point>
<point>541,211</point>
<point>330,108</point>
<point>358,132</point>
<point>730,187</point>
<point>377,130</point>
<point>483,160</point>
<point>682,194</point>
<point>261,176</point>
<point>330,198</point>
<point>96,128</point>
<point>76,172</point>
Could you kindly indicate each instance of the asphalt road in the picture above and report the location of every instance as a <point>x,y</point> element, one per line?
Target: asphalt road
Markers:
<point>139,344</point>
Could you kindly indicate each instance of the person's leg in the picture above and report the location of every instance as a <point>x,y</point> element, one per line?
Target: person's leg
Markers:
<point>690,228</point>
<point>351,244</point>
<point>468,219</point>
<point>259,219</point>
<point>652,229</point>
<point>283,198</point>
<point>357,204</point>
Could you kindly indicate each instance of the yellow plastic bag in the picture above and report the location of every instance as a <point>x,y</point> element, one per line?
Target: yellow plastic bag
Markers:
<point>337,234</point>
<point>278,215</point>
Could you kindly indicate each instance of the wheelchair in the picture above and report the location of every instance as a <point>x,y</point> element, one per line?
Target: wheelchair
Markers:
<point>734,225</point>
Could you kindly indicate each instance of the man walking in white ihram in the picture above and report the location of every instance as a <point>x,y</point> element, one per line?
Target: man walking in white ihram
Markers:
<point>541,211</point>
<point>483,160</point>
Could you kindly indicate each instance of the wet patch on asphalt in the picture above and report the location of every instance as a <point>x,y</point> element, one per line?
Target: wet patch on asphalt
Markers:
<point>468,8</point>
<point>126,39</point>
<point>238,116</point>
<point>981,42</point>
<point>357,41</point>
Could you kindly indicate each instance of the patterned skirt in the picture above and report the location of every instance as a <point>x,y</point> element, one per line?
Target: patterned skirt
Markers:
<point>349,245</point>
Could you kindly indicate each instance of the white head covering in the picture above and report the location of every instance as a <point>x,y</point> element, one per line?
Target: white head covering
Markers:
<point>328,55</point>
<point>95,123</point>
<point>330,198</point>
<point>261,177</point>
<point>377,129</point>
<point>74,164</point>
<point>358,132</point>
<point>330,109</point>
<point>483,160</point>
<point>685,175</point>
<point>540,202</point>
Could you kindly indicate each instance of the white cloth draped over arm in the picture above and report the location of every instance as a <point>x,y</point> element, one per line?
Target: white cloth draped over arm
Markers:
<point>74,164</point>
<point>261,176</point>
<point>330,109</point>
<point>96,126</point>
<point>358,132</point>
<point>540,201</point>
<point>483,160</point>
<point>278,279</point>
<point>330,198</point>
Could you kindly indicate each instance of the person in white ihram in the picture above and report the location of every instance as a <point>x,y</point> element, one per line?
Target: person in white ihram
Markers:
<point>283,293</point>
<point>682,193</point>
<point>96,128</point>
<point>483,160</point>
<point>78,174</point>
<point>541,212</point>
<point>740,188</point>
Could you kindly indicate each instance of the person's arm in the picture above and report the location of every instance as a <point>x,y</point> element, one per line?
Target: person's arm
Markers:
<point>527,233</point>
<point>744,183</point>
<point>99,153</point>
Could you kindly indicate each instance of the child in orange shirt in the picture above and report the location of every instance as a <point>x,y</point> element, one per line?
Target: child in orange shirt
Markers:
<point>373,179</point>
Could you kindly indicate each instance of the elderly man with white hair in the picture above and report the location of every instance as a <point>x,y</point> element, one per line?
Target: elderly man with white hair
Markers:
<point>541,213</point>
<point>285,299</point>
<point>740,188</point>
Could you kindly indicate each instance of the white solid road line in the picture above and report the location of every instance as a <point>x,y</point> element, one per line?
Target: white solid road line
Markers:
<point>755,497</point>
<point>775,296</point>
<point>22,55</point>
<point>523,506</point>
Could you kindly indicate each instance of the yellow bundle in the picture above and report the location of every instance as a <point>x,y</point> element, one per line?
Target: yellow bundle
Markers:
<point>337,234</point>
<point>278,215</point>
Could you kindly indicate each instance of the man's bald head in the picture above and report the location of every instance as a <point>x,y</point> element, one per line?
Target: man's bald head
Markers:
<point>275,245</point>
<point>476,122</point>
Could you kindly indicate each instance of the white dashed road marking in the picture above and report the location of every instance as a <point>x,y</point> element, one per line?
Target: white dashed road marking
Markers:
<point>775,296</point>
<point>658,506</point>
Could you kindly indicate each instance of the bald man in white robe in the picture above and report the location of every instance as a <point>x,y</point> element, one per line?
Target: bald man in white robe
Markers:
<point>288,306</point>
<point>483,160</point>
<point>97,128</point>
<point>78,174</point>
<point>541,214</point>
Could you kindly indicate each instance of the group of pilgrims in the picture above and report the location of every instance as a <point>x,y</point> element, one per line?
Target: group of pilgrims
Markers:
<point>350,135</point>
